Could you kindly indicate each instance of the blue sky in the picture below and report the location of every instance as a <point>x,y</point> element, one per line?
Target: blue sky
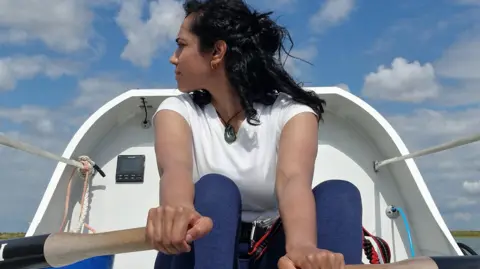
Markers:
<point>414,61</point>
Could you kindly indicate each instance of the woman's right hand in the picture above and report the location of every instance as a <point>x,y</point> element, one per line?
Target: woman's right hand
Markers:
<point>170,230</point>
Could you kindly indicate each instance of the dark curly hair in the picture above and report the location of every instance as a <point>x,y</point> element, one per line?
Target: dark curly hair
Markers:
<point>253,57</point>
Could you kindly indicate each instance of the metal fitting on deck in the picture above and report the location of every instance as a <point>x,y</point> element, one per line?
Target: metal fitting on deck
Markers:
<point>392,212</point>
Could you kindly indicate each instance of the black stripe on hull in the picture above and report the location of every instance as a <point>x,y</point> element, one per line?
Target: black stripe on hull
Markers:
<point>23,253</point>
<point>457,262</point>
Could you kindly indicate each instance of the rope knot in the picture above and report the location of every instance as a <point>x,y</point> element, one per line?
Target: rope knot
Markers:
<point>87,166</point>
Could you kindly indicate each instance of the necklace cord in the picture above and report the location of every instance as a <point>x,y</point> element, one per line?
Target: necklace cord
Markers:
<point>229,135</point>
<point>231,118</point>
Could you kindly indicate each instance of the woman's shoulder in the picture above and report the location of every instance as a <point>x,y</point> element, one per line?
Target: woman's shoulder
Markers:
<point>285,107</point>
<point>183,99</point>
<point>283,99</point>
<point>182,104</point>
<point>286,102</point>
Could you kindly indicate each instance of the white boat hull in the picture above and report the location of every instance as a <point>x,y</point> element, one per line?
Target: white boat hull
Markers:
<point>352,136</point>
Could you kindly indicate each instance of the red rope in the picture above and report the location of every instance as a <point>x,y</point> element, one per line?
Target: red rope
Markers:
<point>373,258</point>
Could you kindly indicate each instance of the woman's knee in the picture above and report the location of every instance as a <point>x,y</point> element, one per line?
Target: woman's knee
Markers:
<point>216,188</point>
<point>163,261</point>
<point>338,191</point>
<point>339,219</point>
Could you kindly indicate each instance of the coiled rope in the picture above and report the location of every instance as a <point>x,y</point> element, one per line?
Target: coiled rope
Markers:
<point>86,173</point>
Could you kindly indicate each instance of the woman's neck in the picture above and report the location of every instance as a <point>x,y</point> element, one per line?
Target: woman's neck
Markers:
<point>226,101</point>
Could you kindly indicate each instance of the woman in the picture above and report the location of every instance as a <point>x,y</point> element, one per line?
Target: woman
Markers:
<point>240,144</point>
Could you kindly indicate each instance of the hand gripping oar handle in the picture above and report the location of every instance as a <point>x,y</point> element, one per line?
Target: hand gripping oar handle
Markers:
<point>60,249</point>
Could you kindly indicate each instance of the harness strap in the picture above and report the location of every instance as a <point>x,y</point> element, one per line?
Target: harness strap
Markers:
<point>262,232</point>
<point>259,246</point>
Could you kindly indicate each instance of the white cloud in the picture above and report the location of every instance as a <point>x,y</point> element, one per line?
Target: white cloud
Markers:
<point>403,81</point>
<point>426,127</point>
<point>63,25</point>
<point>414,82</point>
<point>38,118</point>
<point>455,71</point>
<point>146,38</point>
<point>16,68</point>
<point>93,92</point>
<point>465,92</point>
<point>343,86</point>
<point>460,202</point>
<point>463,216</point>
<point>461,60</point>
<point>96,91</point>
<point>331,13</point>
<point>472,187</point>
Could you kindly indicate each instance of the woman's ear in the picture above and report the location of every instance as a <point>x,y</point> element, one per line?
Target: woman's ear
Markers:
<point>218,53</point>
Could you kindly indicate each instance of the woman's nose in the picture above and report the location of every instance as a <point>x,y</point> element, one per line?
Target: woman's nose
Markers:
<point>173,59</point>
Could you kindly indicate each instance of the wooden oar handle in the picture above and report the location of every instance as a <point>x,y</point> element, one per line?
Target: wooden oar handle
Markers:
<point>66,248</point>
<point>60,249</point>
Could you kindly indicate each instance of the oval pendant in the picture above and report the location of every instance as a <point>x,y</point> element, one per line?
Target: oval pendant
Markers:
<point>229,134</point>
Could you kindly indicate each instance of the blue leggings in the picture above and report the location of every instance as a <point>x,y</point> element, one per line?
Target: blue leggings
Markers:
<point>339,222</point>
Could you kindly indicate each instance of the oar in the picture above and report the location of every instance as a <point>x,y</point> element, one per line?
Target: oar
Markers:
<point>61,249</point>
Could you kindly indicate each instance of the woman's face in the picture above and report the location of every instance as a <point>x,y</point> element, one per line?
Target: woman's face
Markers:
<point>193,69</point>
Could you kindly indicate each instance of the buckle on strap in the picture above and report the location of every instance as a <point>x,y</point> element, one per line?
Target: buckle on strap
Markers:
<point>262,231</point>
<point>260,226</point>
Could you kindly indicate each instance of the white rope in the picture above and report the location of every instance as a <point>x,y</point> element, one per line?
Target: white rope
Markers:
<point>37,151</point>
<point>84,210</point>
<point>85,174</point>
<point>449,145</point>
<point>89,169</point>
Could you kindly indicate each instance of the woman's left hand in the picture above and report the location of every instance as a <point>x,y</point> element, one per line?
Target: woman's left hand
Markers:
<point>310,257</point>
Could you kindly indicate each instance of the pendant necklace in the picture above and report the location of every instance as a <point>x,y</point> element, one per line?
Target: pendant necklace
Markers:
<point>229,135</point>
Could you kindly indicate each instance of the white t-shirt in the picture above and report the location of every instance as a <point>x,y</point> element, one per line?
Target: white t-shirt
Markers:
<point>251,160</point>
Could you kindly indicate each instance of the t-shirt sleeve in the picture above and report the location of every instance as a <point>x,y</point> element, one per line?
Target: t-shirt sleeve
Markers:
<point>288,108</point>
<point>178,104</point>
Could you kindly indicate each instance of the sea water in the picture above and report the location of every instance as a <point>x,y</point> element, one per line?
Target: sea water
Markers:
<point>473,242</point>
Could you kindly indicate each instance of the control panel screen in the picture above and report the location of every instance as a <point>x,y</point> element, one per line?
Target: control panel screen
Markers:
<point>131,165</point>
<point>130,168</point>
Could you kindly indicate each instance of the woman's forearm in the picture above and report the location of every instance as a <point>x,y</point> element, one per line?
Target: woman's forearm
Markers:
<point>297,210</point>
<point>177,189</point>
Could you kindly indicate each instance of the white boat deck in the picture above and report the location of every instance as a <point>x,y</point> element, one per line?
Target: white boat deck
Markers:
<point>352,136</point>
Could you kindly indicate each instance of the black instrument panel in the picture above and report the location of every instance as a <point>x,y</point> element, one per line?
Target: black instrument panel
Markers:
<point>130,169</point>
